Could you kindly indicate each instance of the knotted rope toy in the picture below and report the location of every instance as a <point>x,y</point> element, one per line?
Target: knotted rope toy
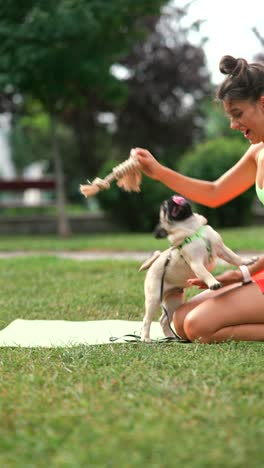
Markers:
<point>127,174</point>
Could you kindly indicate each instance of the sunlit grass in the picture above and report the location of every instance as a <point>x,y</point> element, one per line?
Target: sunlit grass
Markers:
<point>135,405</point>
<point>250,238</point>
<point>138,404</point>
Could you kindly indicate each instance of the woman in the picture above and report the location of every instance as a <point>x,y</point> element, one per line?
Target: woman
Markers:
<point>237,310</point>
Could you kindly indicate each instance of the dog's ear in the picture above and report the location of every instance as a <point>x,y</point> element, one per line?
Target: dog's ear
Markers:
<point>178,208</point>
<point>160,232</point>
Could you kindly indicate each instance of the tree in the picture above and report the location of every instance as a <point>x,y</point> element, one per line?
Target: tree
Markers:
<point>60,53</point>
<point>260,56</point>
<point>165,85</point>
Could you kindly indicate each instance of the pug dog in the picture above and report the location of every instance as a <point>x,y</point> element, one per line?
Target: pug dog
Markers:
<point>194,249</point>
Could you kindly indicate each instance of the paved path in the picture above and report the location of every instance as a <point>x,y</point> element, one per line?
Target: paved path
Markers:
<point>92,255</point>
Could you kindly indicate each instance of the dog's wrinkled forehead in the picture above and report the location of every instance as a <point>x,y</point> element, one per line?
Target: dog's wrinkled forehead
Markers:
<point>176,208</point>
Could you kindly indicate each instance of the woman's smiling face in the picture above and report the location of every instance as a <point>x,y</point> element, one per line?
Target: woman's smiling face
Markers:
<point>247,117</point>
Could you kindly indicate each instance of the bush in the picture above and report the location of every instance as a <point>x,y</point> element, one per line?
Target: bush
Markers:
<point>209,161</point>
<point>133,211</point>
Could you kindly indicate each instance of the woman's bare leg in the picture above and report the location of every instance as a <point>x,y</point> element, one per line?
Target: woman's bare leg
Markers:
<point>182,311</point>
<point>237,312</point>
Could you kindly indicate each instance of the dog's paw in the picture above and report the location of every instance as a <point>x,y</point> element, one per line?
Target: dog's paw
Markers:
<point>145,339</point>
<point>167,332</point>
<point>250,261</point>
<point>215,286</point>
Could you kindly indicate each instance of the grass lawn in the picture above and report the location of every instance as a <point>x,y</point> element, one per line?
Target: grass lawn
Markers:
<point>127,405</point>
<point>247,238</point>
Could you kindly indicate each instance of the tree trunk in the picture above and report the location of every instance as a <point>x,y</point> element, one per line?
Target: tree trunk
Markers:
<point>63,225</point>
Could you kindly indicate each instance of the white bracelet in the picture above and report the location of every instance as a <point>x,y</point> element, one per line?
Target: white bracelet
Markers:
<point>245,273</point>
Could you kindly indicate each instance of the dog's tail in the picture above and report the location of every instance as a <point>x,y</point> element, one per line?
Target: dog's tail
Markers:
<point>150,260</point>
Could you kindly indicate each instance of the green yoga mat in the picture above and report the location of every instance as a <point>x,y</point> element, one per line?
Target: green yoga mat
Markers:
<point>63,333</point>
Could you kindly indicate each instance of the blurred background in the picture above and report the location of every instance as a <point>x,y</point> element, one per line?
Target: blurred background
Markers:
<point>84,81</point>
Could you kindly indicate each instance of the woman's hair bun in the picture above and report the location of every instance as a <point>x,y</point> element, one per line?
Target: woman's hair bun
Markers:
<point>243,81</point>
<point>232,66</point>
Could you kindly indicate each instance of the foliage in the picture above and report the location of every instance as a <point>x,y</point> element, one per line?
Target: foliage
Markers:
<point>60,54</point>
<point>30,139</point>
<point>260,56</point>
<point>208,161</point>
<point>157,106</point>
<point>62,51</point>
<point>134,211</point>
<point>217,123</point>
<point>166,80</point>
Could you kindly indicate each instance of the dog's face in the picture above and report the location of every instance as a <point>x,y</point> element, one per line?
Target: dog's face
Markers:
<point>172,210</point>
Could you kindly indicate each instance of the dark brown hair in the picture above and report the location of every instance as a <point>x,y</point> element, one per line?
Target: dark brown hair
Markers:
<point>244,81</point>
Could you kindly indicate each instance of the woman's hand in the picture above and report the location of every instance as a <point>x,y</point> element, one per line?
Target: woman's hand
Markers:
<point>149,165</point>
<point>228,277</point>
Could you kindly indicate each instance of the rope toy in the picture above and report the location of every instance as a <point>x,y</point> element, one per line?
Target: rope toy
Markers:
<point>127,174</point>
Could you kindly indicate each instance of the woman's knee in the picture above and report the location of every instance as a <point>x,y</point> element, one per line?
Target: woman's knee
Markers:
<point>194,328</point>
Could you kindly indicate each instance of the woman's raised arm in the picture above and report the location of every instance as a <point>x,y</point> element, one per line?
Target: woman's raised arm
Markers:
<point>235,181</point>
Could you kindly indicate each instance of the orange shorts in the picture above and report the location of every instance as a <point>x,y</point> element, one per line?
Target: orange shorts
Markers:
<point>259,279</point>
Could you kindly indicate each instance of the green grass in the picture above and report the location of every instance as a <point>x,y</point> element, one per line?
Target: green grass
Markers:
<point>127,405</point>
<point>250,238</point>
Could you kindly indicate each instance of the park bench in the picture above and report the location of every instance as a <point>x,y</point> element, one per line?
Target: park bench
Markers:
<point>15,186</point>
